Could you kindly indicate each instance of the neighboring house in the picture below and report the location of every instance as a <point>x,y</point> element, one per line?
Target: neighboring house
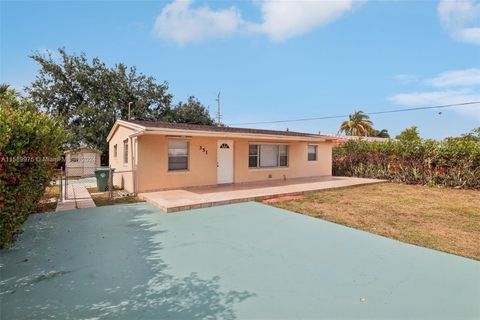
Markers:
<point>82,162</point>
<point>175,155</point>
<point>339,140</point>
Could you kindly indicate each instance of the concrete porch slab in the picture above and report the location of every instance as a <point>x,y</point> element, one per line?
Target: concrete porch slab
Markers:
<point>202,197</point>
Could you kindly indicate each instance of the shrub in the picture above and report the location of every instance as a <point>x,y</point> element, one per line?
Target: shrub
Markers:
<point>30,145</point>
<point>453,162</point>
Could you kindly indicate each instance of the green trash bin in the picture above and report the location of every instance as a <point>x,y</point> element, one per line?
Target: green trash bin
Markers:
<point>102,174</point>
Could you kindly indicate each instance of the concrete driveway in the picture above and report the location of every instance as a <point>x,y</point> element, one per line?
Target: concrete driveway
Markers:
<point>240,261</point>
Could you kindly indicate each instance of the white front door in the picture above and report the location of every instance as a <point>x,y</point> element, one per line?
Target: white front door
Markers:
<point>225,161</point>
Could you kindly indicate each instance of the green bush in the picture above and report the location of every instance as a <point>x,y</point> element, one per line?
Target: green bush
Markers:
<point>30,145</point>
<point>453,162</point>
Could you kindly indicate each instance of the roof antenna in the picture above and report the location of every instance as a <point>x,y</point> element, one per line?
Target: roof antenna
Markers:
<point>129,110</point>
<point>219,116</point>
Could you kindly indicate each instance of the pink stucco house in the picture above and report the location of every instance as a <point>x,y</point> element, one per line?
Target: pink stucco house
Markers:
<point>159,155</point>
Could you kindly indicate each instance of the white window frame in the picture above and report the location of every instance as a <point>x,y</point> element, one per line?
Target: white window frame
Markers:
<point>259,155</point>
<point>169,156</point>
<point>74,157</point>
<point>316,152</point>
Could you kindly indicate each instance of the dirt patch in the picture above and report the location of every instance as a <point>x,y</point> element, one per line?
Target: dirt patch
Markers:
<point>281,199</point>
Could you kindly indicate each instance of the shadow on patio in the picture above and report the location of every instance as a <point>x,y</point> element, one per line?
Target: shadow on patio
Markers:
<point>68,265</point>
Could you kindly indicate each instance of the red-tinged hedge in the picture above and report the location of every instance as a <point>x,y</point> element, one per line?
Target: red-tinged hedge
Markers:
<point>453,162</point>
<point>30,145</point>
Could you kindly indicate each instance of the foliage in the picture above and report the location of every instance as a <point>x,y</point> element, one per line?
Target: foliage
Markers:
<point>453,162</point>
<point>409,135</point>
<point>358,124</point>
<point>30,145</point>
<point>90,96</point>
<point>190,112</point>
<point>379,133</point>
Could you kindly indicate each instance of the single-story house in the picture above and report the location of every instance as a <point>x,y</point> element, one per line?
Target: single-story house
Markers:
<point>165,155</point>
<point>82,162</point>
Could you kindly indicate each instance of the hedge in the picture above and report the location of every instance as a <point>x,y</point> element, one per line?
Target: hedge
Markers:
<point>30,144</point>
<point>453,162</point>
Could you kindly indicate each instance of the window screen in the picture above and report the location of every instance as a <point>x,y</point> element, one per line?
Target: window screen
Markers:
<point>177,155</point>
<point>267,156</point>
<point>283,155</point>
<point>312,153</point>
<point>253,156</point>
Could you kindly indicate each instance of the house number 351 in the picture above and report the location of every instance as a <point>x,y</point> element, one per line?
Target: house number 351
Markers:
<point>204,150</point>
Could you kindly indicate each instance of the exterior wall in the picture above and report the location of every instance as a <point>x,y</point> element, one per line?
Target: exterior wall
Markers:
<point>123,176</point>
<point>298,164</point>
<point>153,171</point>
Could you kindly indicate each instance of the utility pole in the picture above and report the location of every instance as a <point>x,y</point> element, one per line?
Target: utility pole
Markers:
<point>219,115</point>
<point>129,110</point>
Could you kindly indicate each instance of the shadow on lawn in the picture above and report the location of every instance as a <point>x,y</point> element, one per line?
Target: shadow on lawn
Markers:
<point>133,285</point>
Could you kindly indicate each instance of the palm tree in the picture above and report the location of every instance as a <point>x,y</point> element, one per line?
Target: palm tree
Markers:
<point>358,124</point>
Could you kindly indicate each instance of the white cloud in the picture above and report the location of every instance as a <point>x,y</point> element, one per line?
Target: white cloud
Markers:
<point>436,98</point>
<point>284,19</point>
<point>181,23</point>
<point>456,78</point>
<point>430,98</point>
<point>280,20</point>
<point>458,86</point>
<point>461,18</point>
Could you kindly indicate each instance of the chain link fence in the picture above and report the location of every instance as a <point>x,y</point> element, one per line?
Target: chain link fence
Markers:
<point>121,183</point>
<point>79,171</point>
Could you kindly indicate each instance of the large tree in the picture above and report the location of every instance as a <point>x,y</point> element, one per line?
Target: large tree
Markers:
<point>358,124</point>
<point>409,135</point>
<point>89,96</point>
<point>191,111</point>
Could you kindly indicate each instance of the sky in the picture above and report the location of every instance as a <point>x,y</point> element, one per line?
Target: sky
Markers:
<point>273,60</point>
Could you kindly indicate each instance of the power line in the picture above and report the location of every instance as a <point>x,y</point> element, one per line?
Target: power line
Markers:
<point>369,113</point>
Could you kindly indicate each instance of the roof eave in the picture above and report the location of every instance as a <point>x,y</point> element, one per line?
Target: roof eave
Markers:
<point>126,124</point>
<point>204,133</point>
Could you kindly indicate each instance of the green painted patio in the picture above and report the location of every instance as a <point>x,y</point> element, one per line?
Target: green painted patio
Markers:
<point>245,261</point>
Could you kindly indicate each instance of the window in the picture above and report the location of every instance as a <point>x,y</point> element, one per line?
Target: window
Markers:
<point>177,155</point>
<point>312,153</point>
<point>74,157</point>
<point>283,155</point>
<point>267,156</point>
<point>115,151</point>
<point>125,151</point>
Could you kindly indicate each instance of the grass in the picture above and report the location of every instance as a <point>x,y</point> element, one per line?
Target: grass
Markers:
<point>92,190</point>
<point>103,199</point>
<point>443,219</point>
<point>48,203</point>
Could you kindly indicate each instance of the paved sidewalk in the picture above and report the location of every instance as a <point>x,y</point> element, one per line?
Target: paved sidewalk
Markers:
<point>78,197</point>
